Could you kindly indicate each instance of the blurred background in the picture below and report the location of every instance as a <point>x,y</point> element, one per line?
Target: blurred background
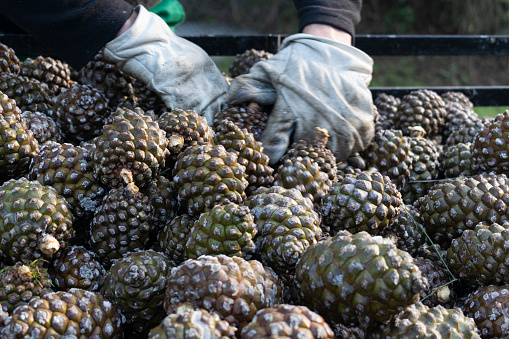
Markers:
<point>378,17</point>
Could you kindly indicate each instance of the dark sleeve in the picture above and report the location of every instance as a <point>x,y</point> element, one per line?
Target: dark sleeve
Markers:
<point>74,30</point>
<point>342,14</point>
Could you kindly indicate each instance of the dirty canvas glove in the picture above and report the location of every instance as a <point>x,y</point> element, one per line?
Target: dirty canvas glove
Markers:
<point>312,82</point>
<point>179,71</point>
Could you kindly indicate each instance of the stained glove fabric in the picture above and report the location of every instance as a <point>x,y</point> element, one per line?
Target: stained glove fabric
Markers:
<point>312,82</point>
<point>179,71</point>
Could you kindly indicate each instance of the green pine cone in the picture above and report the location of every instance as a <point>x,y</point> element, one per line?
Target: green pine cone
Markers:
<point>455,205</point>
<point>287,226</point>
<point>35,221</point>
<point>136,283</point>
<point>487,306</point>
<point>357,279</point>
<point>287,321</point>
<point>225,229</point>
<point>20,283</point>
<point>64,315</point>
<point>17,143</point>
<point>190,323</point>
<point>208,175</point>
<point>361,202</point>
<point>131,141</point>
<point>172,239</point>
<point>232,287</point>
<point>421,321</point>
<point>480,256</point>
<point>69,170</point>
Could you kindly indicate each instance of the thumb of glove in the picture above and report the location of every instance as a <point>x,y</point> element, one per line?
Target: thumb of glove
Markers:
<point>277,135</point>
<point>251,87</point>
<point>256,86</point>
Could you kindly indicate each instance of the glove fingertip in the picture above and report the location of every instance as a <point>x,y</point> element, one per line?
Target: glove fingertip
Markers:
<point>275,155</point>
<point>275,149</point>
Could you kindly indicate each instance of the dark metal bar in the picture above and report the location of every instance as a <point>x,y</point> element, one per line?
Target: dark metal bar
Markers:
<point>433,44</point>
<point>479,95</point>
<point>375,45</point>
<point>236,44</point>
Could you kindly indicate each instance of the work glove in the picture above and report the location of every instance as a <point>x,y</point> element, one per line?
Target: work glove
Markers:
<point>312,82</point>
<point>180,72</point>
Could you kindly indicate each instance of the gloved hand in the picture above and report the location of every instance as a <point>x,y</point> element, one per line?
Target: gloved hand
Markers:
<point>312,82</point>
<point>179,71</point>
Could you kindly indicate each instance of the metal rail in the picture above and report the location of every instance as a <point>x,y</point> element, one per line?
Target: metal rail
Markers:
<point>374,45</point>
<point>479,95</point>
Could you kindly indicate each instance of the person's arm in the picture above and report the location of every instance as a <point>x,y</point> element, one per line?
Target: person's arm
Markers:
<point>329,32</point>
<point>129,22</point>
<point>75,30</point>
<point>332,19</point>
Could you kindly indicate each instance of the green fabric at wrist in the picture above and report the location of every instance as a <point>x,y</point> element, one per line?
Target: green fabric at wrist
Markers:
<point>171,11</point>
